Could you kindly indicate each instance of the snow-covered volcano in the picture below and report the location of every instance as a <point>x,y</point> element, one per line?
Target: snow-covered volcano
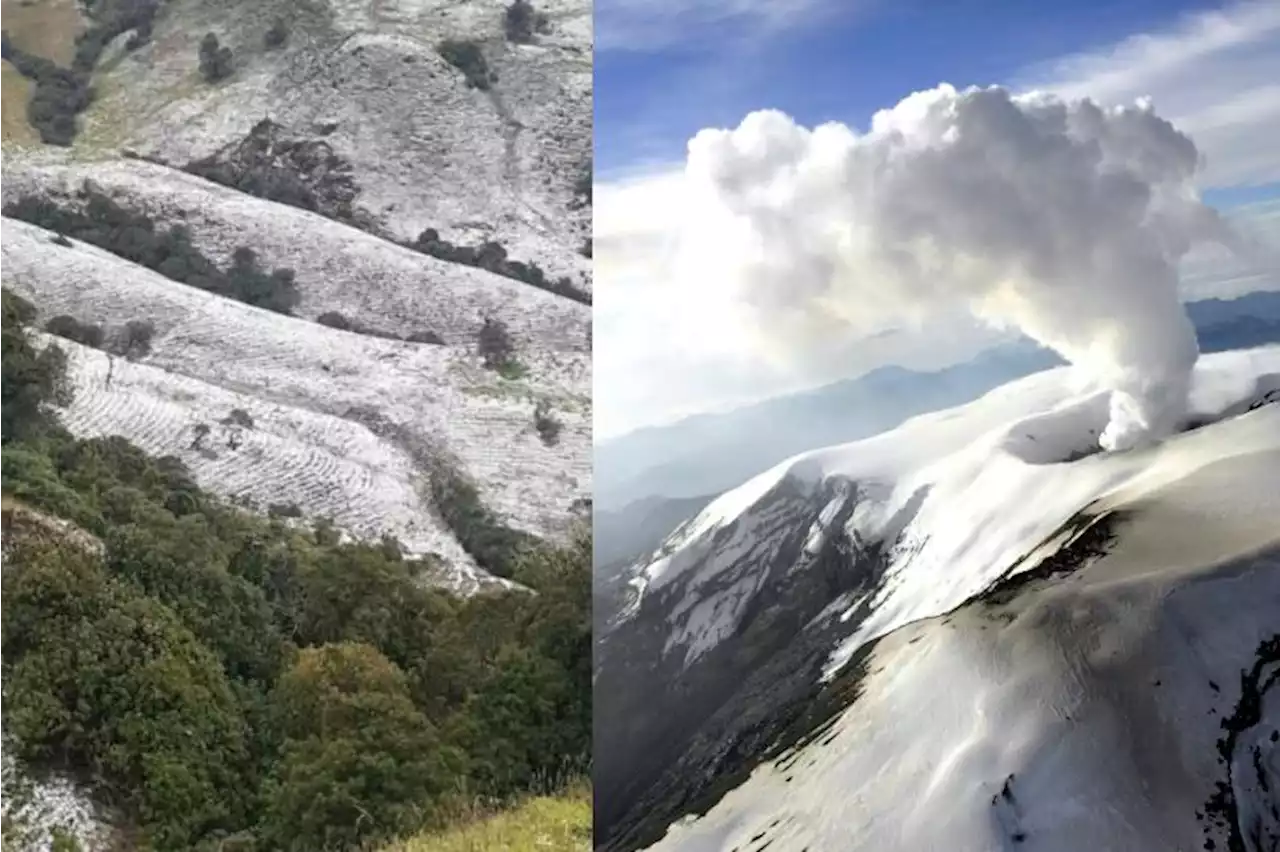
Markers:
<point>974,632</point>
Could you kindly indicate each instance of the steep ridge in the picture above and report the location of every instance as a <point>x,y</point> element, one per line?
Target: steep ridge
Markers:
<point>758,626</point>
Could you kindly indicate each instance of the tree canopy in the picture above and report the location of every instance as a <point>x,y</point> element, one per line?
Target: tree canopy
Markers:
<point>229,680</point>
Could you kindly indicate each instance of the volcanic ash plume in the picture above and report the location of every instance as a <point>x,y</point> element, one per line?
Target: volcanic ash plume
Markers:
<point>1059,218</point>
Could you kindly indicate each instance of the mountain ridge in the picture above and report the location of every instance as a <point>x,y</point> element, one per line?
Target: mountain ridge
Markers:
<point>783,595</point>
<point>710,453</point>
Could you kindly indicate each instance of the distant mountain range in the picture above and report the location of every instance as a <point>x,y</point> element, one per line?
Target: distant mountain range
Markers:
<point>632,532</point>
<point>706,454</point>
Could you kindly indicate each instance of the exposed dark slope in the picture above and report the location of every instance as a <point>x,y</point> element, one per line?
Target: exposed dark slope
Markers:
<point>671,741</point>
<point>668,739</point>
<point>638,528</point>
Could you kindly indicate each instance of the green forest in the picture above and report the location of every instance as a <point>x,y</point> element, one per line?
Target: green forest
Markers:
<point>226,680</point>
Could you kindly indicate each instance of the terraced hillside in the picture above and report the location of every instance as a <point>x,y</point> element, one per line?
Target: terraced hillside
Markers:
<point>357,401</point>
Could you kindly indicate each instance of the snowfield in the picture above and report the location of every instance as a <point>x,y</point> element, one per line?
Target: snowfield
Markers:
<point>964,494</point>
<point>1036,646</point>
<point>310,391</point>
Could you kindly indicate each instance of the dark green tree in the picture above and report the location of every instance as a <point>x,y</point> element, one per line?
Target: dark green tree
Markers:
<point>72,329</point>
<point>360,762</point>
<point>99,676</point>
<point>34,379</point>
<point>215,60</point>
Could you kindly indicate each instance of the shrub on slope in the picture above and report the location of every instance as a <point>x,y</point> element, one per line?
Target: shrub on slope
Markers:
<point>276,35</point>
<point>215,60</point>
<point>273,164</point>
<point>495,547</point>
<point>334,319</point>
<point>133,236</point>
<point>181,669</point>
<point>521,21</point>
<point>276,165</point>
<point>132,340</point>
<point>86,334</point>
<point>468,58</point>
<point>492,257</point>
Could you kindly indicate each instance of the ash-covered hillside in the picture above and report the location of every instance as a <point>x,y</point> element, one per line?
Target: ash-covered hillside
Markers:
<point>334,256</point>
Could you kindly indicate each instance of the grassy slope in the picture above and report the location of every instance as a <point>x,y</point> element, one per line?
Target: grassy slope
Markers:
<point>561,823</point>
<point>47,29</point>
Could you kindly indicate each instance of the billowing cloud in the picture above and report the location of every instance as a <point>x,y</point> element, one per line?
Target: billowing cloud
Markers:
<point>1058,218</point>
<point>667,343</point>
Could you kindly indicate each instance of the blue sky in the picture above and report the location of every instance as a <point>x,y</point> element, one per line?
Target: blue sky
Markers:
<point>665,69</point>
<point>652,97</point>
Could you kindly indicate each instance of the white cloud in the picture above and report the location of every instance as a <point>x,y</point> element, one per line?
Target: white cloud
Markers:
<point>635,25</point>
<point>655,354</point>
<point>1215,75</point>
<point>665,346</point>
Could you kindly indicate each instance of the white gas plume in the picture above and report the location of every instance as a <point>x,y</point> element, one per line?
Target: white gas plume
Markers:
<point>1061,218</point>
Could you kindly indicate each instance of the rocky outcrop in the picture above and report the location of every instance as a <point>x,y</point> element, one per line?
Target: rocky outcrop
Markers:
<point>292,168</point>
